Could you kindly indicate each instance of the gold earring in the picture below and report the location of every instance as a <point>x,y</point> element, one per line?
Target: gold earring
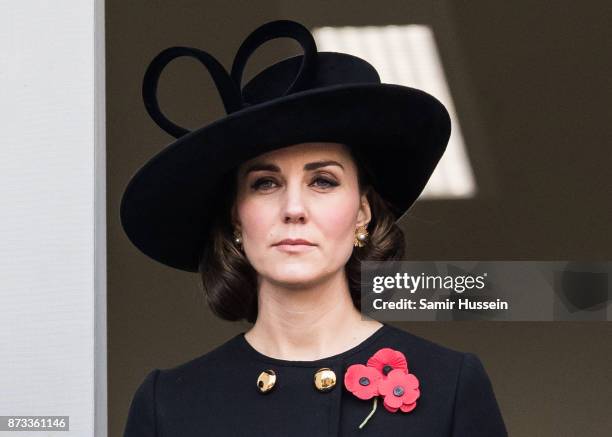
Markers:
<point>361,235</point>
<point>237,237</point>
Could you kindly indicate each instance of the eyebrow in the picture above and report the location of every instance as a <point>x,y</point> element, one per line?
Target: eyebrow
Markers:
<point>275,168</point>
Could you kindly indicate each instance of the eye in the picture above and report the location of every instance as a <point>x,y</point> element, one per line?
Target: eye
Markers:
<point>327,183</point>
<point>263,182</point>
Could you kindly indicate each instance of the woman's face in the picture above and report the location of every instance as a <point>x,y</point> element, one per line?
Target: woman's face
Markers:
<point>308,192</point>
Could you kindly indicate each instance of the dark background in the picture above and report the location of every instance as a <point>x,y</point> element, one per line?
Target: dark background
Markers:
<point>530,82</point>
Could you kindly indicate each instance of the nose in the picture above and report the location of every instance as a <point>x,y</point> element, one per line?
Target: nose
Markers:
<point>294,208</point>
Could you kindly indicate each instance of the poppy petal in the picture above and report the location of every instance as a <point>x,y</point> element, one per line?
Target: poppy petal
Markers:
<point>411,381</point>
<point>392,410</point>
<point>385,387</point>
<point>352,379</point>
<point>408,407</point>
<point>388,357</point>
<point>411,396</point>
<point>352,375</point>
<point>393,401</point>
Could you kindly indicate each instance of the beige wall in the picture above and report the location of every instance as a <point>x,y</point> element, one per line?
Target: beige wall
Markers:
<point>528,82</point>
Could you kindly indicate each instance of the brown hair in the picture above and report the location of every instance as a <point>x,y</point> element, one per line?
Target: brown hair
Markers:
<point>228,279</point>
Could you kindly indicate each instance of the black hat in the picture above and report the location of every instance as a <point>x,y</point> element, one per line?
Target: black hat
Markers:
<point>400,133</point>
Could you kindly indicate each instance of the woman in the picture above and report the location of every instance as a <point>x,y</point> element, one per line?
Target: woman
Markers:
<point>275,205</point>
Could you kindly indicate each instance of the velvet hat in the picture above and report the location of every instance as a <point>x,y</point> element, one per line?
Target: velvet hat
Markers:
<point>399,132</point>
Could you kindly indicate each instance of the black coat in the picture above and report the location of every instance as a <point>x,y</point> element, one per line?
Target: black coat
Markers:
<point>216,395</point>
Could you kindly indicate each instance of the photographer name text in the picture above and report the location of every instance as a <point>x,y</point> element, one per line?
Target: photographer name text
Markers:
<point>414,283</point>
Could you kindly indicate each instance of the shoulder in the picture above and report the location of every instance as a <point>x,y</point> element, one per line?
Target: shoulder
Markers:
<point>452,381</point>
<point>192,375</point>
<point>202,363</point>
<point>426,353</point>
<point>219,358</point>
<point>160,389</point>
<point>438,366</point>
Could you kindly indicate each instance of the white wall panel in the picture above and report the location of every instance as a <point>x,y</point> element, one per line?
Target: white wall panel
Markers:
<point>52,226</point>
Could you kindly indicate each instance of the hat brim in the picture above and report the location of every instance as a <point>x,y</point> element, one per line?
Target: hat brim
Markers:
<point>401,132</point>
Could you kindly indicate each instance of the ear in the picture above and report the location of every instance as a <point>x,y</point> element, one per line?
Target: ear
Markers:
<point>365,214</point>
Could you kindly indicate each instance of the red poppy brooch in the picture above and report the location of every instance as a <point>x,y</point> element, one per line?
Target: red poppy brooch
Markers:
<point>386,374</point>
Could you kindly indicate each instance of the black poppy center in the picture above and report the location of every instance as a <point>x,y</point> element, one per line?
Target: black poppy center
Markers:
<point>387,369</point>
<point>364,381</point>
<point>398,390</point>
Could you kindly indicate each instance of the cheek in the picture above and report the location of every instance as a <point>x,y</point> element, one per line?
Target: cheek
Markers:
<point>256,219</point>
<point>337,223</point>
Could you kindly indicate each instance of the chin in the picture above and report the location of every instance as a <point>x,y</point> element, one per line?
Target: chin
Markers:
<point>295,274</point>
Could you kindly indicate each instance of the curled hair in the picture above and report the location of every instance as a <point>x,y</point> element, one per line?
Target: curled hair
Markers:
<point>230,282</point>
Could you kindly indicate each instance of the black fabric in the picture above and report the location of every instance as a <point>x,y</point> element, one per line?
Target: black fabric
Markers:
<point>216,395</point>
<point>279,29</point>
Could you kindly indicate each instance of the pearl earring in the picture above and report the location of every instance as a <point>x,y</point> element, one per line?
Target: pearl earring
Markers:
<point>237,237</point>
<point>361,235</point>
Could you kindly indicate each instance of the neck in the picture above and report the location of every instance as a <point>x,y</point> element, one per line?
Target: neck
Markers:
<point>308,323</point>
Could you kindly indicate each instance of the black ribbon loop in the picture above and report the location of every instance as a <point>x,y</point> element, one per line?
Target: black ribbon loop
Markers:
<point>278,29</point>
<point>228,90</point>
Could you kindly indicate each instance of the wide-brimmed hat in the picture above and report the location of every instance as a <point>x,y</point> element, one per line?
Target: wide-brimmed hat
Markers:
<point>399,132</point>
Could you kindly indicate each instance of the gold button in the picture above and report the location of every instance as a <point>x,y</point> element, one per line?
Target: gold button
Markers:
<point>266,381</point>
<point>324,379</point>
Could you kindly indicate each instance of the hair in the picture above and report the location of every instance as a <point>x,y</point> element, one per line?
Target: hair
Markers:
<point>230,282</point>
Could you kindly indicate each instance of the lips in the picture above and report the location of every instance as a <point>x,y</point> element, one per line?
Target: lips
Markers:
<point>294,242</point>
<point>294,246</point>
